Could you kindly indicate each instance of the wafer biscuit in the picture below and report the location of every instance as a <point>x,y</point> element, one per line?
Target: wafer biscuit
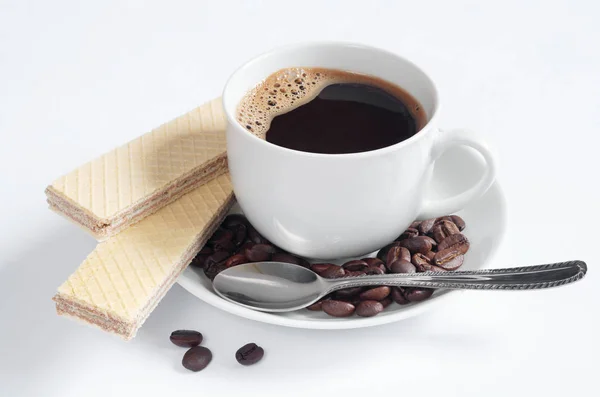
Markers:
<point>123,279</point>
<point>121,187</point>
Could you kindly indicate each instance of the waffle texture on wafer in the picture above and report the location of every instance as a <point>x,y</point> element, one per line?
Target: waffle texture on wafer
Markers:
<point>123,279</point>
<point>121,187</point>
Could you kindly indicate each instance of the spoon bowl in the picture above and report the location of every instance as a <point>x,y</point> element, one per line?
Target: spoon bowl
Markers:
<point>270,286</point>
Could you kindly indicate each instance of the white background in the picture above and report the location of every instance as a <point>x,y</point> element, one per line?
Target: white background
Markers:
<point>77,79</point>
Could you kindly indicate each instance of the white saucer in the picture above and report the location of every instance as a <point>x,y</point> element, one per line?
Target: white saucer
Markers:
<point>485,220</point>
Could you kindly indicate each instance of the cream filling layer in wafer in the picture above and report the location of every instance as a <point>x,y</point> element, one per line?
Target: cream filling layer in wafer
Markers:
<point>123,279</point>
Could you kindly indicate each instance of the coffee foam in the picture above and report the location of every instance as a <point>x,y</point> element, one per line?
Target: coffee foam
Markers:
<point>288,89</point>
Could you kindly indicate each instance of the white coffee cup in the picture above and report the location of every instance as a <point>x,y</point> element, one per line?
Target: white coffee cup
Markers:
<point>341,205</point>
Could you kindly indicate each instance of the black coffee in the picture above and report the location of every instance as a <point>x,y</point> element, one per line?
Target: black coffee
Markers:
<point>330,111</point>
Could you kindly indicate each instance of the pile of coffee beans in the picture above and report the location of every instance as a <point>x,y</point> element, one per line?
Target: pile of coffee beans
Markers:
<point>198,357</point>
<point>435,244</point>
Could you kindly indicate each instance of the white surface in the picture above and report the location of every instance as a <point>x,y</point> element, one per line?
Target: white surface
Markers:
<point>322,206</point>
<point>78,79</point>
<point>486,220</point>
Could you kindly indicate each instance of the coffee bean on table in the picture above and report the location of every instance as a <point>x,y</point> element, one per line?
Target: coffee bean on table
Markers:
<point>459,222</point>
<point>249,354</point>
<point>333,271</point>
<point>186,338</point>
<point>376,293</point>
<point>397,295</point>
<point>402,266</point>
<point>414,294</point>
<point>369,308</point>
<point>197,358</point>
<point>338,308</point>
<point>355,265</point>
<point>417,244</point>
<point>426,225</point>
<point>453,263</point>
<point>259,252</point>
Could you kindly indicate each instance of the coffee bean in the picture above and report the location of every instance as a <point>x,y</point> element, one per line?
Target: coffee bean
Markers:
<point>356,265</point>
<point>382,254</point>
<point>249,354</point>
<point>453,263</point>
<point>338,308</point>
<point>186,338</point>
<point>374,271</point>
<point>417,294</point>
<point>320,267</point>
<point>316,307</point>
<point>212,271</point>
<point>240,233</point>
<point>224,245</point>
<point>259,252</point>
<point>235,260</point>
<point>376,293</point>
<point>200,259</point>
<point>347,293</point>
<point>450,248</point>
<point>369,308</point>
<point>432,241</point>
<point>372,261</point>
<point>333,271</point>
<point>397,295</point>
<point>426,225</point>
<point>255,236</point>
<point>350,273</point>
<point>402,266</point>
<point>197,358</point>
<point>289,258</point>
<point>221,234</point>
<point>393,254</point>
<point>454,240</point>
<point>216,257</point>
<point>408,233</point>
<point>443,229</point>
<point>420,261</point>
<point>234,220</point>
<point>417,244</point>
<point>414,225</point>
<point>459,222</point>
<point>386,302</point>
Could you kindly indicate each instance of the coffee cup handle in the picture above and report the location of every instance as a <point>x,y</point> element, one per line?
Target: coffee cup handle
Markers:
<point>444,141</point>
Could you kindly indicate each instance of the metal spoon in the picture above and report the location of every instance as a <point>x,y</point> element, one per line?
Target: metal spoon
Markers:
<point>283,287</point>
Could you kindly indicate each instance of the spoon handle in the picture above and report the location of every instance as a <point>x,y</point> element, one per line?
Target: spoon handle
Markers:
<point>529,277</point>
